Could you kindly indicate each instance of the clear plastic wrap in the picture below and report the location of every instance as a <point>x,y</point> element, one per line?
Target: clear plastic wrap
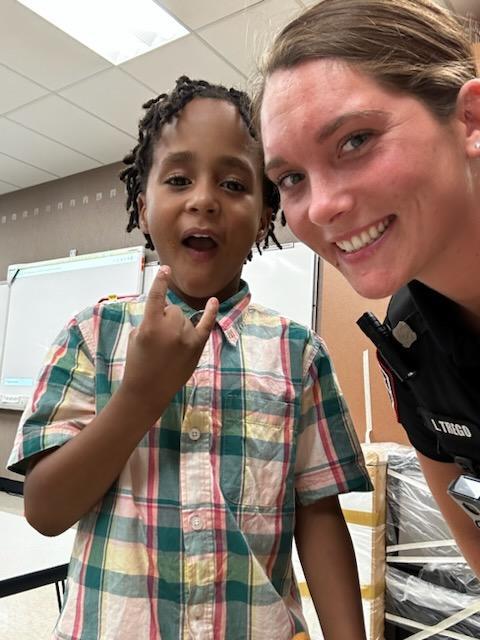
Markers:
<point>427,579</point>
<point>365,517</point>
<point>413,517</point>
<point>422,605</point>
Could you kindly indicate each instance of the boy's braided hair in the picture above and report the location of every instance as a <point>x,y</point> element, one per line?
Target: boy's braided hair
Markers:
<point>160,111</point>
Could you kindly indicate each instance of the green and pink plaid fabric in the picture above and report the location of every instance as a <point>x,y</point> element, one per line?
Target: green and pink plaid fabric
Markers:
<point>194,539</point>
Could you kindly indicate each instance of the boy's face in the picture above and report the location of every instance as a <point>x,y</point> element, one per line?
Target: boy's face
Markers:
<point>203,203</point>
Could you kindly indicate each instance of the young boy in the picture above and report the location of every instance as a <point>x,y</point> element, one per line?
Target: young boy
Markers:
<point>191,433</point>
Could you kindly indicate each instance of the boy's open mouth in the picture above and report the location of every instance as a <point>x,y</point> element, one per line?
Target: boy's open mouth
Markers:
<point>200,242</point>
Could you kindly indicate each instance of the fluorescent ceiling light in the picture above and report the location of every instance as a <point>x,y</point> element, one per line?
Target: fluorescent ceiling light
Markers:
<point>118,30</point>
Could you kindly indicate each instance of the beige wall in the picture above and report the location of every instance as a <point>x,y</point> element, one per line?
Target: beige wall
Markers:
<point>340,307</point>
<point>84,212</point>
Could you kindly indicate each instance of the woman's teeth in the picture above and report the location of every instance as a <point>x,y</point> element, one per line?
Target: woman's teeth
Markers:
<point>365,238</point>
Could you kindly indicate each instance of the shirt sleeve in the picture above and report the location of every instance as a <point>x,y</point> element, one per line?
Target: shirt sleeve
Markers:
<point>63,401</point>
<point>329,457</point>
<point>403,401</point>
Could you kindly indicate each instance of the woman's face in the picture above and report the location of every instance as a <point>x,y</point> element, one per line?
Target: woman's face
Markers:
<point>368,177</point>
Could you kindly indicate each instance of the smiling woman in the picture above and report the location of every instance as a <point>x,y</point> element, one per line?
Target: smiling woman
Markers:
<point>379,233</point>
<point>370,121</point>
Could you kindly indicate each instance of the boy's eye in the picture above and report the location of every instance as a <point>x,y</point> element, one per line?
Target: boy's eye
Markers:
<point>289,180</point>
<point>177,181</point>
<point>233,185</point>
<point>355,141</point>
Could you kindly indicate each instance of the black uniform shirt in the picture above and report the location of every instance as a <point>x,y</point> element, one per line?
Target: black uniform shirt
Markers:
<point>442,413</point>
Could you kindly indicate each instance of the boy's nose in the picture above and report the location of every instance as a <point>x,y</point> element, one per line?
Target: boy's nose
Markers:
<point>202,199</point>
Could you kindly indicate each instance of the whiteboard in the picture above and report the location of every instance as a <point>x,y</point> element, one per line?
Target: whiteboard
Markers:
<point>151,269</point>
<point>284,280</point>
<point>44,296</point>
<point>4,295</point>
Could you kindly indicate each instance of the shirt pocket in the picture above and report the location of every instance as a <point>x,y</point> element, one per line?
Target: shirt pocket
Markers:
<point>256,455</point>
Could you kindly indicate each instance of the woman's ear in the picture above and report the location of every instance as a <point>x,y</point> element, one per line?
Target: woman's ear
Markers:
<point>264,224</point>
<point>468,113</point>
<point>142,215</point>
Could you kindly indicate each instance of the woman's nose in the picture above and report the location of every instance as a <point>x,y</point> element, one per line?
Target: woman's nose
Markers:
<point>327,202</point>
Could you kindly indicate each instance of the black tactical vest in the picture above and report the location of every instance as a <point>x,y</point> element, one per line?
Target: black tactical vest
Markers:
<point>447,395</point>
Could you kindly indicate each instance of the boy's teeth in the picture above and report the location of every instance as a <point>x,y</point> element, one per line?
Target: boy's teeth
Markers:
<point>364,238</point>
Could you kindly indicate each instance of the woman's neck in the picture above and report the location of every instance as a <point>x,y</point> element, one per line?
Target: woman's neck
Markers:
<point>456,271</point>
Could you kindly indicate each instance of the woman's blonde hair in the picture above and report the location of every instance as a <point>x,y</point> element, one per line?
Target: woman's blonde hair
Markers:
<point>413,46</point>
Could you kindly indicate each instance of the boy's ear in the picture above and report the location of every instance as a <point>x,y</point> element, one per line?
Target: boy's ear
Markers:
<point>468,113</point>
<point>142,216</point>
<point>264,224</point>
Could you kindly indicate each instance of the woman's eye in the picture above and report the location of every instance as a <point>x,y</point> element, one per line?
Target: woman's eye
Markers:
<point>177,181</point>
<point>356,141</point>
<point>233,185</point>
<point>288,181</point>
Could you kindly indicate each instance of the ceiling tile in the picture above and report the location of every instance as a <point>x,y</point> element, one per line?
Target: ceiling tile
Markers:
<point>187,56</point>
<point>198,14</point>
<point>20,174</point>
<point>64,122</point>
<point>112,95</point>
<point>16,90</point>
<point>36,49</point>
<point>33,148</point>
<point>257,27</point>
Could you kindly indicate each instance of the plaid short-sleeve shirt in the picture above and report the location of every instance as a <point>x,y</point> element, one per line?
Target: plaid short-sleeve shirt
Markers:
<point>193,541</point>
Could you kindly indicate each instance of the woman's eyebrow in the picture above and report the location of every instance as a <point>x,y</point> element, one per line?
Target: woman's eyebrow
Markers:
<point>330,127</point>
<point>275,163</point>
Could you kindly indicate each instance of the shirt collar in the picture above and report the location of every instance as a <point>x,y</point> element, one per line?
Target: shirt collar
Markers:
<point>230,314</point>
<point>443,319</point>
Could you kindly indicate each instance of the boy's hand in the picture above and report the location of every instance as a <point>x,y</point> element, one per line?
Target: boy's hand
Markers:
<point>164,350</point>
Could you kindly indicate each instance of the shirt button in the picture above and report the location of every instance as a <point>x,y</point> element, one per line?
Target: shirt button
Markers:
<point>197,611</point>
<point>194,434</point>
<point>196,522</point>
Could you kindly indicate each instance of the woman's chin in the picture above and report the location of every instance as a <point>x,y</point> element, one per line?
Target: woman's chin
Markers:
<point>374,287</point>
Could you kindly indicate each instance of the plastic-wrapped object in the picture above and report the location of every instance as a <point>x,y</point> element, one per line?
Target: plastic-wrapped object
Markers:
<point>458,577</point>
<point>413,517</point>
<point>430,589</point>
<point>365,517</point>
<point>442,613</point>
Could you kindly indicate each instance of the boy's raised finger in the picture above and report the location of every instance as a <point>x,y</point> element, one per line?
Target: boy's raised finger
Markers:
<point>207,320</point>
<point>156,299</point>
